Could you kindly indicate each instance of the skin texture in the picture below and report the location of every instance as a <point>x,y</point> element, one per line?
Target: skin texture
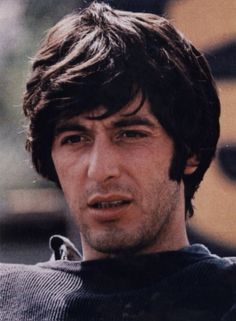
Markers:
<point>120,158</point>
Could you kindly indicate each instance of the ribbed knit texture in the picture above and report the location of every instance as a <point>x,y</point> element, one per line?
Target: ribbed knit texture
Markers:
<point>190,285</point>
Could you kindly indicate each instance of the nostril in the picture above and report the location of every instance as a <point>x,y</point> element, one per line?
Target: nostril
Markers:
<point>227,160</point>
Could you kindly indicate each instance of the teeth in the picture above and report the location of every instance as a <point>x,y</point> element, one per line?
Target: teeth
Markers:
<point>109,204</point>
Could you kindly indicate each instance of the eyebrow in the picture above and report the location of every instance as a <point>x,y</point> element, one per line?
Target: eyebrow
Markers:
<point>124,122</point>
<point>133,121</point>
<point>70,127</point>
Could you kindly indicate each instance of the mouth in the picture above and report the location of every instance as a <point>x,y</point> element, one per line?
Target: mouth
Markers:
<point>109,204</point>
<point>109,208</point>
<point>109,201</point>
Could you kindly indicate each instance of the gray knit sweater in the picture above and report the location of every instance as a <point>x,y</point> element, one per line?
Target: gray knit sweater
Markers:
<point>190,284</point>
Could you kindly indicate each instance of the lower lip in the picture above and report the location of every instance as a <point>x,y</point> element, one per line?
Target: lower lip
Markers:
<point>109,214</point>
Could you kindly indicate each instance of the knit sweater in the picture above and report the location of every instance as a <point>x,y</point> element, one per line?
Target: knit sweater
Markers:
<point>190,284</point>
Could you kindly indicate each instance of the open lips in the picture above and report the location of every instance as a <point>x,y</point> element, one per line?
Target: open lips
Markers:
<point>108,202</point>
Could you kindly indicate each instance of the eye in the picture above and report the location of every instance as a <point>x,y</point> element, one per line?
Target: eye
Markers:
<point>132,134</point>
<point>73,139</point>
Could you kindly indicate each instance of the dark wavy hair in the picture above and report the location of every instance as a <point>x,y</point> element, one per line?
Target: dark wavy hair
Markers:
<point>100,56</point>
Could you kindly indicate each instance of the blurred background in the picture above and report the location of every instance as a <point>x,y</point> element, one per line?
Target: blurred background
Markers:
<point>32,209</point>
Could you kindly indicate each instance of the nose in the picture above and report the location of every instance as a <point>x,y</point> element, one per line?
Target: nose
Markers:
<point>104,161</point>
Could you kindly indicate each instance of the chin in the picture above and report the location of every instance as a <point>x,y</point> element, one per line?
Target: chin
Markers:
<point>119,246</point>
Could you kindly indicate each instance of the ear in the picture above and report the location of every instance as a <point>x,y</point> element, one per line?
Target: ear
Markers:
<point>191,165</point>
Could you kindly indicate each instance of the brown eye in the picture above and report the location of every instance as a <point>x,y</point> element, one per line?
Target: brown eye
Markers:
<point>72,139</point>
<point>132,134</point>
<point>227,160</point>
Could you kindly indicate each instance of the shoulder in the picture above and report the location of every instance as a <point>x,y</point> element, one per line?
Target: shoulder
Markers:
<point>11,274</point>
<point>16,280</point>
<point>44,269</point>
<point>8,270</point>
<point>224,265</point>
<point>15,276</point>
<point>45,285</point>
<point>200,264</point>
<point>20,283</point>
<point>227,270</point>
<point>200,254</point>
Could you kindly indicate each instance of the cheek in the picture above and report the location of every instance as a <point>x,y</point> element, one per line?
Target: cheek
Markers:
<point>151,163</point>
<point>64,168</point>
<point>151,180</point>
<point>151,170</point>
<point>69,184</point>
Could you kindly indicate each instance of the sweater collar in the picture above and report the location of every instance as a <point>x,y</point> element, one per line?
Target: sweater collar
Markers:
<point>63,249</point>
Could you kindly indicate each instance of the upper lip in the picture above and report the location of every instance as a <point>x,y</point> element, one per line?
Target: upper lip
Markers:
<point>108,198</point>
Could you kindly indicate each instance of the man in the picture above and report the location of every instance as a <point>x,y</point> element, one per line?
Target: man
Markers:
<point>124,117</point>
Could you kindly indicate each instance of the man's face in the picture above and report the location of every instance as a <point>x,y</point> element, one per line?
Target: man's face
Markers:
<point>115,176</point>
